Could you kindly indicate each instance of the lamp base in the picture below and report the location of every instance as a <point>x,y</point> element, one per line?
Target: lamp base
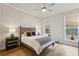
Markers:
<point>12,35</point>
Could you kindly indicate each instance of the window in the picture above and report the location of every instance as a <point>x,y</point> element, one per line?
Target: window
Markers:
<point>72,27</point>
<point>47,29</point>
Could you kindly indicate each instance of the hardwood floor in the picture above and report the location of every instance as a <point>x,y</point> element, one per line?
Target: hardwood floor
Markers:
<point>58,50</point>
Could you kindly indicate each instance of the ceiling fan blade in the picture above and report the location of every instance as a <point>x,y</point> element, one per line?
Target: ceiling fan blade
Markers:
<point>52,4</point>
<point>37,9</point>
<point>50,10</point>
<point>41,5</point>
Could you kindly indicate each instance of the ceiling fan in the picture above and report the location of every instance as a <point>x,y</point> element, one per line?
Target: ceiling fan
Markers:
<point>44,7</point>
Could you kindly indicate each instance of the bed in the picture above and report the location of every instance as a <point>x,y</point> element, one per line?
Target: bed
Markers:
<point>36,43</point>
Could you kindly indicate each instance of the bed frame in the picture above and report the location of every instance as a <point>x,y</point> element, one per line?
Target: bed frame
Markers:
<point>24,29</point>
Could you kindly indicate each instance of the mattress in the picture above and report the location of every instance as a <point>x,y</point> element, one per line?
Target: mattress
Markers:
<point>35,42</point>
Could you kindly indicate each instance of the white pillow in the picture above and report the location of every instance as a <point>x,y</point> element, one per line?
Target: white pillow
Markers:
<point>25,34</point>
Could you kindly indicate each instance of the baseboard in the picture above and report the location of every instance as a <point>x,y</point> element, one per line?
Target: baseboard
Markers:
<point>2,48</point>
<point>67,44</point>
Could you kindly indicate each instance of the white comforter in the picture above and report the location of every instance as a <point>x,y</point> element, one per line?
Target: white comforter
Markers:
<point>33,43</point>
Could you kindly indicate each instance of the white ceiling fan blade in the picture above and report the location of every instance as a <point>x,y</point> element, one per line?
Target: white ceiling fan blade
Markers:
<point>37,9</point>
<point>43,5</point>
<point>52,4</point>
<point>50,10</point>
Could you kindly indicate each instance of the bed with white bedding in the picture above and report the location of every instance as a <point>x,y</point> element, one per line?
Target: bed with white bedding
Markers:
<point>37,42</point>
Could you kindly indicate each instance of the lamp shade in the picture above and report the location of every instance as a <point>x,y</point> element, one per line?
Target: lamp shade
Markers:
<point>12,30</point>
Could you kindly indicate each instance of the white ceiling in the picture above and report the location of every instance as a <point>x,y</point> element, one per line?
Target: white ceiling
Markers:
<point>57,8</point>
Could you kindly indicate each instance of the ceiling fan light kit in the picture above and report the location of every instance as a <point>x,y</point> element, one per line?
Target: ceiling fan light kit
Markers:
<point>44,9</point>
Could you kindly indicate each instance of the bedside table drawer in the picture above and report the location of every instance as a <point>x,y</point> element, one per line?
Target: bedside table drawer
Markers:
<point>13,41</point>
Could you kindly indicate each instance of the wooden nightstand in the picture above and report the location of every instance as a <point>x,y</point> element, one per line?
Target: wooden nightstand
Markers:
<point>11,42</point>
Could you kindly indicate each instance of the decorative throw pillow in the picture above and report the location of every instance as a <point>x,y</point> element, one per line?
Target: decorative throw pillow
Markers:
<point>28,33</point>
<point>33,33</point>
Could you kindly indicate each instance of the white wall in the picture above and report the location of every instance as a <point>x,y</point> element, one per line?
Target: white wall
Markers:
<point>12,17</point>
<point>57,25</point>
<point>0,14</point>
<point>3,34</point>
